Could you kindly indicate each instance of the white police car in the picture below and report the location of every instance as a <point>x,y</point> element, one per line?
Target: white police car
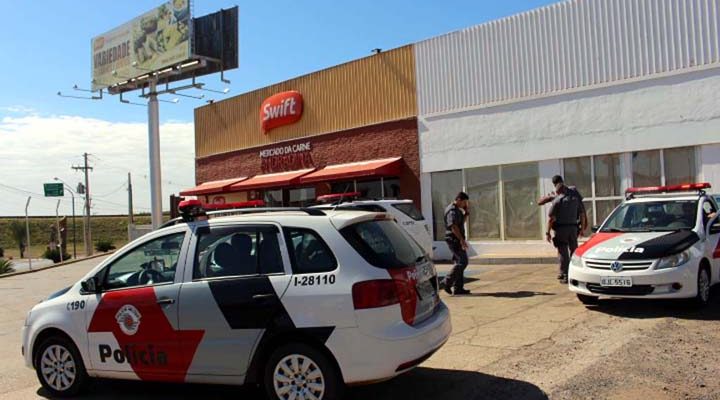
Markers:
<point>661,242</point>
<point>300,301</point>
<point>404,212</point>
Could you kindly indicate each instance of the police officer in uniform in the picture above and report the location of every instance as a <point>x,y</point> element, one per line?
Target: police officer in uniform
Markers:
<point>568,219</point>
<point>455,216</point>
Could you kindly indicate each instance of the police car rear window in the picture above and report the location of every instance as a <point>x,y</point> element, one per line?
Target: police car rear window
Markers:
<point>409,210</point>
<point>383,244</point>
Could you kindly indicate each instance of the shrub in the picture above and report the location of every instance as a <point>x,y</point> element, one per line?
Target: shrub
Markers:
<point>104,245</point>
<point>54,255</point>
<point>6,266</point>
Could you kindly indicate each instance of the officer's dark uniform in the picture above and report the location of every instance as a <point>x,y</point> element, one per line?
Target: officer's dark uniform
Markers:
<point>455,216</point>
<point>566,209</point>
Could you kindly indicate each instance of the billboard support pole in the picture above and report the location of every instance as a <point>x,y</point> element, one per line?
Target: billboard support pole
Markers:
<point>154,153</point>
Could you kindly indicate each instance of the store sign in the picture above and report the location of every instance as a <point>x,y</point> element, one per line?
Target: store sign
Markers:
<point>281,109</point>
<point>287,158</point>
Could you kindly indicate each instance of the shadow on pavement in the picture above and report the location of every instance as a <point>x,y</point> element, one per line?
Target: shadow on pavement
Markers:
<point>512,295</point>
<point>444,384</point>
<point>421,383</point>
<point>641,309</point>
<point>118,389</point>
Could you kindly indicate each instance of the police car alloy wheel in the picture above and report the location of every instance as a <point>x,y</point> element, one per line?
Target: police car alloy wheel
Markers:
<point>60,368</point>
<point>298,371</point>
<point>703,283</point>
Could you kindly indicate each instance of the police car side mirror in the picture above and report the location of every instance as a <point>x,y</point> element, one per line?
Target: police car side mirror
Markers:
<point>91,285</point>
<point>715,228</point>
<point>595,228</point>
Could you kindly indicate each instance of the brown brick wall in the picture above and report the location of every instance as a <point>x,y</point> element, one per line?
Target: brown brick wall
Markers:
<point>392,139</point>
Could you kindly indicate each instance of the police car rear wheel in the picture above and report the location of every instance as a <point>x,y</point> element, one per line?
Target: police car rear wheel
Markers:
<point>298,371</point>
<point>60,368</point>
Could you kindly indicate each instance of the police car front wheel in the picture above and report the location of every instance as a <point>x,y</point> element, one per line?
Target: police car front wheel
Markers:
<point>59,367</point>
<point>703,288</point>
<point>298,371</point>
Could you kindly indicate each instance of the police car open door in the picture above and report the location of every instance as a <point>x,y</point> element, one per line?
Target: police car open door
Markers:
<point>133,323</point>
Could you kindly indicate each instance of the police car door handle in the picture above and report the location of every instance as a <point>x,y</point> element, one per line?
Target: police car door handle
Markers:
<point>263,296</point>
<point>165,301</point>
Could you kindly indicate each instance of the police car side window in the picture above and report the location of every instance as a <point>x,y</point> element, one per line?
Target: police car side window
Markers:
<point>154,262</point>
<point>308,252</point>
<point>708,210</point>
<point>238,251</point>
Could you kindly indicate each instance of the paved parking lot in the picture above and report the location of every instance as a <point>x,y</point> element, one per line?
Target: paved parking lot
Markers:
<point>520,335</point>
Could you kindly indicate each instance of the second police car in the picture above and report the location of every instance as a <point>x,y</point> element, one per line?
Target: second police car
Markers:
<point>300,301</point>
<point>661,242</point>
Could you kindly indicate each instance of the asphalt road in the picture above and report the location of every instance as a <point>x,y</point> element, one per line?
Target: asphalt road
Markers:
<point>520,335</point>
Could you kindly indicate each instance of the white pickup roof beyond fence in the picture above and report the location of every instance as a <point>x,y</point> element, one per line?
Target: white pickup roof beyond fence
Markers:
<point>566,46</point>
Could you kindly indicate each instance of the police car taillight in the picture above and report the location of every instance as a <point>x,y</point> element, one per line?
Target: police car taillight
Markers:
<point>374,294</point>
<point>686,187</point>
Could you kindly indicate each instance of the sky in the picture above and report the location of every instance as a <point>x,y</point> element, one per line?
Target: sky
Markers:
<point>45,48</point>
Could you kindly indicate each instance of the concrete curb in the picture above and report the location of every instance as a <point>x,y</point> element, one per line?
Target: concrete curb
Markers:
<point>56,265</point>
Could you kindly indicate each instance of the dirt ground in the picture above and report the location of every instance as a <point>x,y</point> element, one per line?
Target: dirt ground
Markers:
<point>520,335</point>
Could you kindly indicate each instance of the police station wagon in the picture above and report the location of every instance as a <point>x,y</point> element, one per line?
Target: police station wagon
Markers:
<point>301,302</point>
<point>661,242</point>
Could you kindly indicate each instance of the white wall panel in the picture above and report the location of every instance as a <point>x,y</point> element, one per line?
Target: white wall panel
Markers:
<point>569,45</point>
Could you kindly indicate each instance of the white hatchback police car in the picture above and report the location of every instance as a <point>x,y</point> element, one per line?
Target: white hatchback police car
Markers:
<point>661,242</point>
<point>404,212</point>
<point>299,301</point>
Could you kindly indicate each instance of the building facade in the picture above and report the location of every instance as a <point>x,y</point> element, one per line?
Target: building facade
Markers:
<point>610,94</point>
<point>357,132</point>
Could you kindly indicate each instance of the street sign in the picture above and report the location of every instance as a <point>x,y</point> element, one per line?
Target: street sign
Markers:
<point>53,189</point>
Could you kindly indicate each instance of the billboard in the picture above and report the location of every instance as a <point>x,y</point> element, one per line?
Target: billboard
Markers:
<point>155,40</point>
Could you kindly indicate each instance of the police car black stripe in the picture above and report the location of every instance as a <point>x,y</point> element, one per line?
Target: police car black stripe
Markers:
<point>663,246</point>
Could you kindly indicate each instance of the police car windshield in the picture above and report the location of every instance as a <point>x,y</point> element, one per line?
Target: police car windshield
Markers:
<point>670,215</point>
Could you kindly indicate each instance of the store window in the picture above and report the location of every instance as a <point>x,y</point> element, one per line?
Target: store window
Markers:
<point>369,189</point>
<point>599,181</point>
<point>445,186</point>
<point>483,187</point>
<point>391,188</point>
<point>646,168</point>
<point>520,193</point>
<point>679,165</point>
<point>302,197</point>
<point>273,198</point>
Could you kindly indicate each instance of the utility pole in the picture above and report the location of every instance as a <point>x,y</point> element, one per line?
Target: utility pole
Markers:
<point>87,234</point>
<point>130,201</point>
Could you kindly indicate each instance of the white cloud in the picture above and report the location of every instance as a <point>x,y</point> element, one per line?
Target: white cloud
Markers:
<point>34,149</point>
<point>18,109</point>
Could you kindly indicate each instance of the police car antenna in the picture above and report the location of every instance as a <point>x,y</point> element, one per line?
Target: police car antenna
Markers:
<point>347,188</point>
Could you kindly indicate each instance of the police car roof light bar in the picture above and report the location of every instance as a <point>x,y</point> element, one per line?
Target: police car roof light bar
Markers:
<point>685,187</point>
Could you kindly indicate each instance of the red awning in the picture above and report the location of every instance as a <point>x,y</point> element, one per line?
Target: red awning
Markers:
<point>384,167</point>
<point>212,187</point>
<point>271,180</point>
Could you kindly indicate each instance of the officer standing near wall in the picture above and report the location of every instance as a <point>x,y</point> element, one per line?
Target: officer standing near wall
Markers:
<point>455,216</point>
<point>568,219</point>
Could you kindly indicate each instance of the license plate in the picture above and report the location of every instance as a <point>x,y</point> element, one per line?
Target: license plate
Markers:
<point>425,290</point>
<point>615,281</point>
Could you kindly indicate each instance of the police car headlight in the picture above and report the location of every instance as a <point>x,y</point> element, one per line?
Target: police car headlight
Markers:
<point>576,261</point>
<point>674,260</point>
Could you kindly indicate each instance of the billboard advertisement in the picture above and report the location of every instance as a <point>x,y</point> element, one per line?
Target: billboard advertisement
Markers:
<point>155,40</point>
